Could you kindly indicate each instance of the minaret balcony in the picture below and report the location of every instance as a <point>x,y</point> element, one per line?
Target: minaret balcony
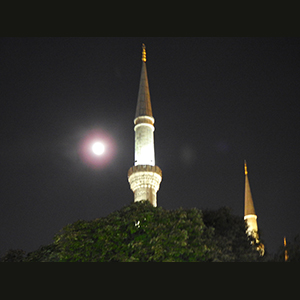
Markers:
<point>144,168</point>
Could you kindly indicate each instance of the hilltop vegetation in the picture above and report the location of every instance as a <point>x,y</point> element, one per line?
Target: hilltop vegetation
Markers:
<point>140,232</point>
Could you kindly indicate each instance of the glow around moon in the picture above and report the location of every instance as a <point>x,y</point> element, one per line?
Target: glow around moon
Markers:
<point>98,148</point>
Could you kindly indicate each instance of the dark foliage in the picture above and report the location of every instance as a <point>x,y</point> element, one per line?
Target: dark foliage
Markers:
<point>11,255</point>
<point>43,254</point>
<point>140,232</point>
<point>229,241</point>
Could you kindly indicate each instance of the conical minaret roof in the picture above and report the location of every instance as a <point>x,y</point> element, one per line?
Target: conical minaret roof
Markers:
<point>249,206</point>
<point>143,107</point>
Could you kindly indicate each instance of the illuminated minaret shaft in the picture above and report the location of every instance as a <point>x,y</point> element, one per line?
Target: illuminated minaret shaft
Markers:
<point>144,177</point>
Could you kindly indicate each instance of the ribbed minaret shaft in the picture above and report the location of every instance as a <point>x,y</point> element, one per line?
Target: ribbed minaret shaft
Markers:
<point>144,177</point>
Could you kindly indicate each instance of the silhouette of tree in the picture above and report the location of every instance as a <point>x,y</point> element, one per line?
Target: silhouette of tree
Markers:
<point>12,255</point>
<point>140,232</point>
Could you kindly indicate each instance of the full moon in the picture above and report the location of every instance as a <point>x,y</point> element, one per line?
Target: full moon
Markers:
<point>98,148</point>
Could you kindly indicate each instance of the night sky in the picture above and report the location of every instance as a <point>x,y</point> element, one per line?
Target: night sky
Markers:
<point>216,102</point>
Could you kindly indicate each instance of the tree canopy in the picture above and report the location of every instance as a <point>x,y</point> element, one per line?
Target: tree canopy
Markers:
<point>140,232</point>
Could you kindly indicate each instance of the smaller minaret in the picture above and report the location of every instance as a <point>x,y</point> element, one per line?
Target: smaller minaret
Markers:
<point>249,213</point>
<point>286,257</point>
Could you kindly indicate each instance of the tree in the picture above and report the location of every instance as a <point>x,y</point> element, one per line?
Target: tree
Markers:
<point>13,255</point>
<point>140,232</point>
<point>229,240</point>
<point>143,233</point>
<point>47,253</point>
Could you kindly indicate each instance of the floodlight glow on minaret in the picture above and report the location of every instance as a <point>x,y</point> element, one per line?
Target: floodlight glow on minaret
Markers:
<point>144,177</point>
<point>144,142</point>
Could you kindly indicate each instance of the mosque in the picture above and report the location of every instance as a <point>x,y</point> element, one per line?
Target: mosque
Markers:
<point>145,177</point>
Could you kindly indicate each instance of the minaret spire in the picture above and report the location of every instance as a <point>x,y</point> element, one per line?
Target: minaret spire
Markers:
<point>143,107</point>
<point>286,256</point>
<point>144,53</point>
<point>249,206</point>
<point>144,177</point>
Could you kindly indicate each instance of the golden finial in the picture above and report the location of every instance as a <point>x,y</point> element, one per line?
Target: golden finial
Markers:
<point>245,165</point>
<point>143,53</point>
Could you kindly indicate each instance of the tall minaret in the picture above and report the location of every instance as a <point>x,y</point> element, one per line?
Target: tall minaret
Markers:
<point>144,177</point>
<point>249,215</point>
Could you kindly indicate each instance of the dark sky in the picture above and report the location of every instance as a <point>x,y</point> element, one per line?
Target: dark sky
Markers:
<point>216,102</point>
